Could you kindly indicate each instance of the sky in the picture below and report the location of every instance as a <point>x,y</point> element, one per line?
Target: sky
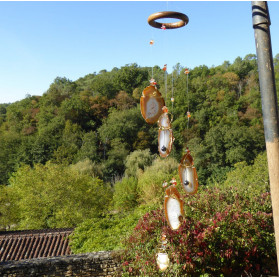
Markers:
<point>40,41</point>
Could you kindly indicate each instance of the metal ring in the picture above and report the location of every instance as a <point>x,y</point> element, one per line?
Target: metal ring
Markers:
<point>183,20</point>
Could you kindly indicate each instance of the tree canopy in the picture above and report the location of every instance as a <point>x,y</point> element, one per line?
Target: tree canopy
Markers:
<point>84,136</point>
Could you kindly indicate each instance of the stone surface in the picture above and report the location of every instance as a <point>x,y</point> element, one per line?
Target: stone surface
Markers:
<point>98,264</point>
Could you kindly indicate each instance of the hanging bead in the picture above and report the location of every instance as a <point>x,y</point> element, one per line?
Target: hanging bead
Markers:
<point>165,109</point>
<point>152,81</point>
<point>172,99</point>
<point>173,181</point>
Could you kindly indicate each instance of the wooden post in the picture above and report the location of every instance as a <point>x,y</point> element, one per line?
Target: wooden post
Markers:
<point>261,23</point>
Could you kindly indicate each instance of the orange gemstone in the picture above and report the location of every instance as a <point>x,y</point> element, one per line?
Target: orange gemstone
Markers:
<point>173,208</point>
<point>188,174</point>
<point>151,104</point>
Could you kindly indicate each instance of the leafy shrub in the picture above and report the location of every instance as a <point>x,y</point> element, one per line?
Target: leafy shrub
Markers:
<point>223,234</point>
<point>139,159</point>
<point>106,232</point>
<point>250,179</point>
<point>88,167</point>
<point>55,196</point>
<point>125,194</point>
<point>150,181</point>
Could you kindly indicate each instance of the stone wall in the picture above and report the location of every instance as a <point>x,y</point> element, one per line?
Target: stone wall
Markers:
<point>104,263</point>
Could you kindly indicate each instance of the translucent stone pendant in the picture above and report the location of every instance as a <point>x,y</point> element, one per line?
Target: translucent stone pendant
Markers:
<point>151,104</point>
<point>173,208</point>
<point>162,257</point>
<point>162,260</point>
<point>165,135</point>
<point>188,174</point>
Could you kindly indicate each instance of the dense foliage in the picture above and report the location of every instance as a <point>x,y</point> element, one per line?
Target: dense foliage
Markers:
<point>52,196</point>
<point>82,156</point>
<point>227,231</point>
<point>98,117</point>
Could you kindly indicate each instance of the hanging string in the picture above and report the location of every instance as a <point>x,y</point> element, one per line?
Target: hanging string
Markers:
<point>172,98</point>
<point>188,111</point>
<point>187,96</point>
<point>151,43</point>
<point>166,84</point>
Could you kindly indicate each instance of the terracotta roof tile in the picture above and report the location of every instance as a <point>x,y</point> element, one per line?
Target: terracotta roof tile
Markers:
<point>18,245</point>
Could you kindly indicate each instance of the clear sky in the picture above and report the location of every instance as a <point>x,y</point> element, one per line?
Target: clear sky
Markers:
<point>40,41</point>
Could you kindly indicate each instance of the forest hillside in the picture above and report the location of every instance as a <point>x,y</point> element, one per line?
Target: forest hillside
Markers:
<point>81,155</point>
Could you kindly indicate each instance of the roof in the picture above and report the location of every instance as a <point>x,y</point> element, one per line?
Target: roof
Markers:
<point>18,245</point>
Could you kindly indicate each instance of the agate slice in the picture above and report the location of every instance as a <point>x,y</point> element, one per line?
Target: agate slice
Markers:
<point>188,174</point>
<point>173,208</point>
<point>165,141</point>
<point>151,104</point>
<point>164,121</point>
<point>165,136</point>
<point>162,260</point>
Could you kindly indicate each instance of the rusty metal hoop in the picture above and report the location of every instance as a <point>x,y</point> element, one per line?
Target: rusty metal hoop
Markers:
<point>183,20</point>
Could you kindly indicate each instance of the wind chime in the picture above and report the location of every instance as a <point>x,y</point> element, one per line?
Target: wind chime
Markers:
<point>153,109</point>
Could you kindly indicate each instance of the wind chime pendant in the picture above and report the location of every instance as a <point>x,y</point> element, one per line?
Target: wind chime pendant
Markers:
<point>188,174</point>
<point>151,104</point>
<point>165,135</point>
<point>173,208</point>
<point>162,257</point>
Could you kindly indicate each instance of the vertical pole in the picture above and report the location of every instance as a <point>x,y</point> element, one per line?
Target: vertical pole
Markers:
<point>261,23</point>
<point>188,104</point>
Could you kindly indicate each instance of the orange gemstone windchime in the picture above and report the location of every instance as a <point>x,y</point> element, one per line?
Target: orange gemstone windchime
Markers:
<point>153,109</point>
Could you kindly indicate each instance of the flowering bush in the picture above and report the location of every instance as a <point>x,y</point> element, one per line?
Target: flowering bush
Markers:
<point>223,234</point>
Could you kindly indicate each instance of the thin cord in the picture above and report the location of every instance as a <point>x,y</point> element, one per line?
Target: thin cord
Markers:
<point>166,84</point>
<point>188,95</point>
<point>172,93</point>
<point>152,56</point>
<point>188,105</point>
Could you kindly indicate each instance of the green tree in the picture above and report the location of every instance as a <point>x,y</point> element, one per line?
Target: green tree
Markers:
<point>70,143</point>
<point>55,196</point>
<point>89,148</point>
<point>8,214</point>
<point>114,164</point>
<point>123,125</point>
<point>139,159</point>
<point>130,77</point>
<point>88,167</point>
<point>9,146</point>
<point>59,90</point>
